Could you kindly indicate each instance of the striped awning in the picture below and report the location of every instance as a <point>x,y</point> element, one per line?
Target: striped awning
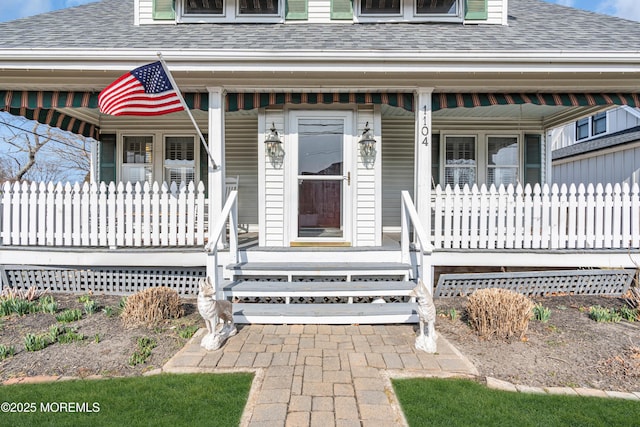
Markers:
<point>470,100</point>
<point>41,107</point>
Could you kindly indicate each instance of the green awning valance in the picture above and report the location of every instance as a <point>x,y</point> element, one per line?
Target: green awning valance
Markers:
<point>471,100</point>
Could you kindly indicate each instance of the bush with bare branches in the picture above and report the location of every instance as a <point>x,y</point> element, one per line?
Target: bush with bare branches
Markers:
<point>152,306</point>
<point>499,313</point>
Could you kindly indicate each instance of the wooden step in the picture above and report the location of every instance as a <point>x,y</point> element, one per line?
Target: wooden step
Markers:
<point>250,288</point>
<point>318,268</point>
<point>325,314</point>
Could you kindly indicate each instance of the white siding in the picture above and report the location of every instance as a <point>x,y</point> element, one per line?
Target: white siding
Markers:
<point>612,166</point>
<point>144,14</point>
<point>319,11</point>
<point>272,226</point>
<point>497,12</point>
<point>241,155</point>
<point>398,153</point>
<point>367,220</point>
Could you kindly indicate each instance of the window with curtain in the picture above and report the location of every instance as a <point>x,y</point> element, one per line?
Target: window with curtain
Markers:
<point>137,162</point>
<point>460,160</point>
<point>502,160</point>
<point>179,159</point>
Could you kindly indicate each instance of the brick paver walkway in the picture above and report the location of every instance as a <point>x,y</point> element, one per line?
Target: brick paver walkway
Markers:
<point>322,375</point>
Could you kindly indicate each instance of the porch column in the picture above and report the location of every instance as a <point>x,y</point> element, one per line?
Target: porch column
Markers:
<point>422,186</point>
<point>216,148</point>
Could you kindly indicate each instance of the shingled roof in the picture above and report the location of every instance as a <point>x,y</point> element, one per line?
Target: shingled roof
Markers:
<point>533,25</point>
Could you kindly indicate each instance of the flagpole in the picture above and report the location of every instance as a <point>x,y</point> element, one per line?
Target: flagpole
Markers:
<point>186,108</point>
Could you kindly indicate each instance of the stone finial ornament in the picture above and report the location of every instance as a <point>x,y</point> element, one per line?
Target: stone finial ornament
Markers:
<point>426,337</point>
<point>214,312</point>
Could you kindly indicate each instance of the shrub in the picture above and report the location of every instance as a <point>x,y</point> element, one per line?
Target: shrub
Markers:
<point>499,313</point>
<point>151,306</point>
<point>6,351</point>
<point>69,315</point>
<point>541,313</point>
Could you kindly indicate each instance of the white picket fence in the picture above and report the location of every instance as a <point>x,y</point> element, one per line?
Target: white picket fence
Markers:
<point>101,215</point>
<point>547,217</point>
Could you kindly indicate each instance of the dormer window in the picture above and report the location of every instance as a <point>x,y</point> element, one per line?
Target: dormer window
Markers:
<point>192,11</point>
<point>409,10</point>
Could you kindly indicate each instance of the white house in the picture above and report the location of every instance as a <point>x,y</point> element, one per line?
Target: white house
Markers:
<point>603,148</point>
<point>374,143</point>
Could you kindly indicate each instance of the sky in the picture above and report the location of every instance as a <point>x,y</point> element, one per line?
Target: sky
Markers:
<point>14,9</point>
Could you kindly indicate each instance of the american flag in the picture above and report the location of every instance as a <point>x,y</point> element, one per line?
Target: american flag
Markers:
<point>145,91</point>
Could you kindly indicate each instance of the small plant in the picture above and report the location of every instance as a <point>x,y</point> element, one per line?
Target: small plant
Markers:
<point>143,351</point>
<point>48,305</point>
<point>6,306</point>
<point>69,315</point>
<point>96,338</point>
<point>22,307</point>
<point>55,331</point>
<point>602,314</point>
<point>187,332</point>
<point>69,336</point>
<point>541,313</point>
<point>628,314</point>
<point>122,303</point>
<point>151,307</point>
<point>35,342</point>
<point>108,311</point>
<point>6,351</point>
<point>84,298</point>
<point>90,307</point>
<point>453,314</point>
<point>499,313</point>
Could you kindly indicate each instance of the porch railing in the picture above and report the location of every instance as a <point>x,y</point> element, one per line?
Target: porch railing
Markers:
<point>411,221</point>
<point>542,217</point>
<point>228,218</point>
<point>101,215</point>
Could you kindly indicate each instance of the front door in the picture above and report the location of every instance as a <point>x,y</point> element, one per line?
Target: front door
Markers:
<point>321,178</point>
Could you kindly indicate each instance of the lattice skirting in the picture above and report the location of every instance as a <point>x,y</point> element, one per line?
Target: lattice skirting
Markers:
<point>107,280</point>
<point>539,283</point>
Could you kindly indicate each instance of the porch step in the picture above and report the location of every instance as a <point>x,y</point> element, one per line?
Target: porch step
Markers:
<point>249,288</point>
<point>319,268</point>
<point>333,314</point>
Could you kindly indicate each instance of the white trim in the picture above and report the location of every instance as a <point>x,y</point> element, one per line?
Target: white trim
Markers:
<point>422,171</point>
<point>407,13</point>
<point>230,14</point>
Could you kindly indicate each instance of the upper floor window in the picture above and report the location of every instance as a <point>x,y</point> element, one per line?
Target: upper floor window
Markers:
<point>217,10</point>
<point>591,126</point>
<point>408,9</point>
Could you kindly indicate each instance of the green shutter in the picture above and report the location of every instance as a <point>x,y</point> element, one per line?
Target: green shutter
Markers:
<point>107,165</point>
<point>164,9</point>
<point>435,159</point>
<point>475,10</point>
<point>296,10</point>
<point>341,9</point>
<point>532,159</point>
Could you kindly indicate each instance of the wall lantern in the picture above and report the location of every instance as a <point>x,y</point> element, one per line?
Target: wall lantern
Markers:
<point>367,145</point>
<point>273,147</point>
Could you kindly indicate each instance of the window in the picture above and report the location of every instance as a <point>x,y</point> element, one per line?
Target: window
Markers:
<point>599,123</point>
<point>179,160</point>
<point>137,162</point>
<point>443,7</point>
<point>409,10</point>
<point>591,126</point>
<point>229,10</point>
<point>460,160</point>
<point>502,160</point>
<point>203,7</point>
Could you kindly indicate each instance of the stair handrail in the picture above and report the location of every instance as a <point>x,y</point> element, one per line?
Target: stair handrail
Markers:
<point>409,217</point>
<point>228,214</point>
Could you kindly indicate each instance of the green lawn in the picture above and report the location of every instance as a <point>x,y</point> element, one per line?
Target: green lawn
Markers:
<point>447,402</point>
<point>160,400</point>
